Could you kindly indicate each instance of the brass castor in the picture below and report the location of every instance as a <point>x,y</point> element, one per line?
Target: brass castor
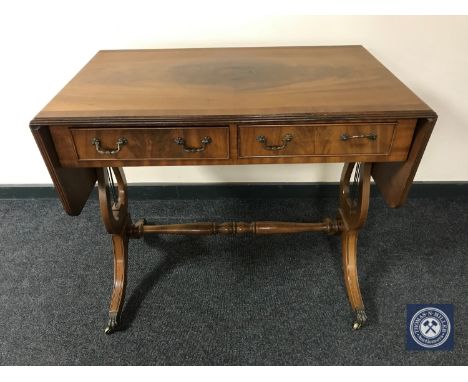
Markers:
<point>111,325</point>
<point>361,318</point>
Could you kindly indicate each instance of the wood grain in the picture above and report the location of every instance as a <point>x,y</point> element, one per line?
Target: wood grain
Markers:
<point>178,84</point>
<point>146,143</point>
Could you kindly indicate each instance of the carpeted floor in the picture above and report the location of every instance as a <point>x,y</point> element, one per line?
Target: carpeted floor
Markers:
<point>220,300</point>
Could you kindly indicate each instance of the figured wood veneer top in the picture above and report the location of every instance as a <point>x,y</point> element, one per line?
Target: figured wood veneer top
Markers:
<point>236,83</point>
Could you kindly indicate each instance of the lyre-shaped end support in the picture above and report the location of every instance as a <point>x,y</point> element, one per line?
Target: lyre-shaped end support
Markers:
<point>113,199</point>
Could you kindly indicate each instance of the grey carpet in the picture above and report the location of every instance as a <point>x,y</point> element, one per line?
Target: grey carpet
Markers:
<point>227,300</point>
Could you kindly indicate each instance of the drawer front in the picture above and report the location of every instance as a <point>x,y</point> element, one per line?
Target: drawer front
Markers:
<point>150,143</point>
<point>340,140</point>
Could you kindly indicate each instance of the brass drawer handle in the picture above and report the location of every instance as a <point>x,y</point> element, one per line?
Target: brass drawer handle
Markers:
<point>97,142</point>
<point>286,139</point>
<point>205,141</point>
<point>370,136</point>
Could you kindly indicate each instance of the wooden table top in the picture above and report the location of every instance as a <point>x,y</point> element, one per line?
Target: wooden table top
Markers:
<point>235,84</point>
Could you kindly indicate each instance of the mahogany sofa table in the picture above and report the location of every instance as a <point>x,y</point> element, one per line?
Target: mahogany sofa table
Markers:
<point>233,106</point>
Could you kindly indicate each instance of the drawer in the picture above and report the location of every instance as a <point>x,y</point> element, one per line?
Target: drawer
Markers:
<point>130,144</point>
<point>336,140</point>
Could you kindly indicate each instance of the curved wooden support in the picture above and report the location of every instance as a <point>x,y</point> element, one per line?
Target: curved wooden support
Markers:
<point>353,214</point>
<point>116,220</point>
<point>120,246</point>
<point>349,247</point>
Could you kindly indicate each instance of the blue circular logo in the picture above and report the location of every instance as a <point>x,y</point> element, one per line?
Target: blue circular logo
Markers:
<point>430,327</point>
